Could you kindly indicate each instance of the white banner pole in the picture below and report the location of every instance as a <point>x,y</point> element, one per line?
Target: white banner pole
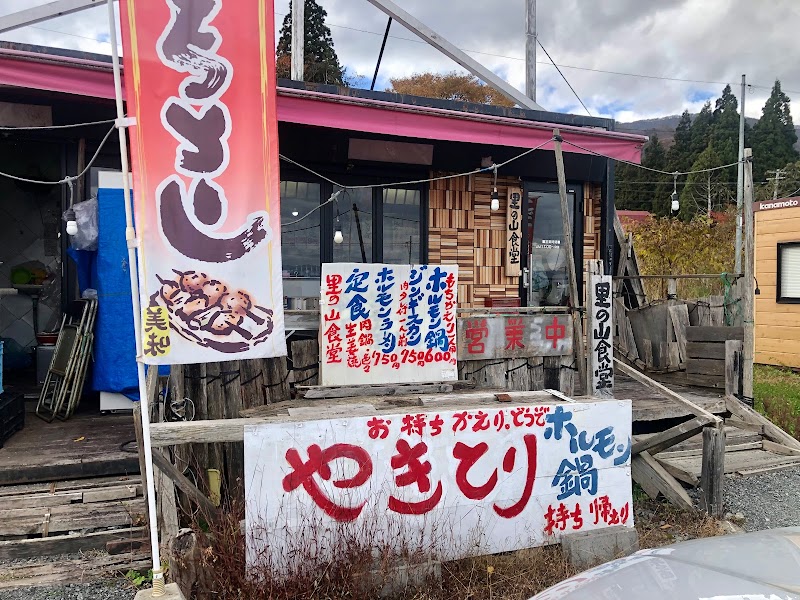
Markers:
<point>130,236</point>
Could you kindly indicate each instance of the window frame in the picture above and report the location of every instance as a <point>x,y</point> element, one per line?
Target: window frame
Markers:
<point>779,297</point>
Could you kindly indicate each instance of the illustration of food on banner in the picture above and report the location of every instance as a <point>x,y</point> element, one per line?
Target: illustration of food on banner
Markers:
<point>205,179</point>
<point>388,323</point>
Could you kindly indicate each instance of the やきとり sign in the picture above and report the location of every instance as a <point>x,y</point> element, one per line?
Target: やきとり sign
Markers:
<point>388,323</point>
<point>459,482</point>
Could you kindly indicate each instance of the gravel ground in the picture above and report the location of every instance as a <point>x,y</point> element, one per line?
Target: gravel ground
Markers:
<point>98,590</point>
<point>766,501</point>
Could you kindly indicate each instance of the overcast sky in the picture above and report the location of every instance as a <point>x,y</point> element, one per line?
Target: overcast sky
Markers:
<point>708,41</point>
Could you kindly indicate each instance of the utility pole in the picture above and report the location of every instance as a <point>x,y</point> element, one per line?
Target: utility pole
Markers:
<point>740,180</point>
<point>530,50</point>
<point>779,176</point>
<point>748,295</point>
<point>298,39</point>
<point>709,206</point>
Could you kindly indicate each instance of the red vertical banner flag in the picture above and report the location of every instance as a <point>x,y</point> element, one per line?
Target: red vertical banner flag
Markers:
<point>200,82</point>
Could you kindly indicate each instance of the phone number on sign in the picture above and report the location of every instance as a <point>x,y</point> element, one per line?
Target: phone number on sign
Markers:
<point>411,357</point>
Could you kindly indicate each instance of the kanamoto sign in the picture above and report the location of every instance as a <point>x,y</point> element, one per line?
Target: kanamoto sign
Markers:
<point>456,482</point>
<point>776,204</point>
<point>200,82</point>
<point>388,323</point>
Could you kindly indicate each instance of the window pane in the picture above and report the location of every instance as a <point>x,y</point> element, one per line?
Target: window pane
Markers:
<point>350,248</point>
<point>402,215</point>
<point>548,263</point>
<point>300,241</point>
<point>790,271</point>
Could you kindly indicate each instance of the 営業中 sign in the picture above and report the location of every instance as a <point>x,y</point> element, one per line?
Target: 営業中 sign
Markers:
<point>388,323</point>
<point>514,336</point>
<point>200,82</point>
<point>455,482</point>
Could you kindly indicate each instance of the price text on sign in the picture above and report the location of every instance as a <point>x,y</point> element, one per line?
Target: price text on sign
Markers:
<point>201,83</point>
<point>495,479</point>
<point>514,336</point>
<point>388,323</point>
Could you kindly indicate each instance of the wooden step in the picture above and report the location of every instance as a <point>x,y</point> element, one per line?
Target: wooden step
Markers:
<point>88,568</point>
<point>67,544</point>
<point>74,517</point>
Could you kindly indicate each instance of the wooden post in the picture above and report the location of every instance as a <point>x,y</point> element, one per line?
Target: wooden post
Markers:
<point>137,426</point>
<point>748,299</point>
<point>733,356</point>
<point>712,475</point>
<point>251,375</point>
<point>298,40</point>
<point>234,453</point>
<point>574,294</point>
<point>600,330</point>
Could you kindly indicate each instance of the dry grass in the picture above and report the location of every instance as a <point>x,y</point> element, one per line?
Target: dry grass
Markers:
<point>508,576</point>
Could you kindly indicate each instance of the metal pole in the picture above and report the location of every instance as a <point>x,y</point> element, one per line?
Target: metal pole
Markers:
<point>749,280</point>
<point>298,39</point>
<point>530,50</point>
<point>380,54</point>
<point>360,236</point>
<point>134,270</point>
<point>740,181</point>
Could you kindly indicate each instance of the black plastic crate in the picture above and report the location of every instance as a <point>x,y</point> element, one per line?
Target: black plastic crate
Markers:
<point>12,415</point>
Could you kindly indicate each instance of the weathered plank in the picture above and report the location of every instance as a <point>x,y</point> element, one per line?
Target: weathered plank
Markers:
<point>733,362</point>
<point>536,368</point>
<point>305,362</point>
<point>696,452</point>
<point>699,366</point>
<point>251,381</point>
<point>649,474</point>
<point>654,385</point>
<point>42,500</point>
<point>666,439</point>
<point>76,517</point>
<point>31,489</point>
<point>65,544</point>
<point>712,350</point>
<point>186,486</point>
<point>714,334</point>
<point>674,355</point>
<point>647,347</point>
<point>679,474</point>
<point>679,315</point>
<point>780,448</point>
<point>775,433</point>
<point>111,494</point>
<point>320,393</point>
<point>712,474</point>
<point>233,480</point>
<point>46,573</point>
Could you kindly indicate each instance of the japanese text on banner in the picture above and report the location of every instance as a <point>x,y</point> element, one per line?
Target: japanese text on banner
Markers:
<point>388,323</point>
<point>504,479</point>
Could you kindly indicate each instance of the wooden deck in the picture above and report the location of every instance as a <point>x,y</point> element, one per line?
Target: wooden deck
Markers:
<point>87,445</point>
<point>649,405</point>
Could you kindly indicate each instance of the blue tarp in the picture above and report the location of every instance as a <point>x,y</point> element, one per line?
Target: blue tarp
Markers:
<point>106,270</point>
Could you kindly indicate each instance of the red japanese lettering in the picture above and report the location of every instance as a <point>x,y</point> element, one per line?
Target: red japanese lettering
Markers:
<point>413,424</point>
<point>481,421</point>
<point>378,428</point>
<point>319,462</point>
<point>530,476</point>
<point>523,416</point>
<point>460,421</point>
<point>475,331</point>
<point>417,473</point>
<point>514,332</point>
<point>467,457</point>
<point>436,425</point>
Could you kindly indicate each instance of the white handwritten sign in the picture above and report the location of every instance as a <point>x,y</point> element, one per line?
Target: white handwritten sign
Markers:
<point>514,232</point>
<point>388,323</point>
<point>601,342</point>
<point>458,483</point>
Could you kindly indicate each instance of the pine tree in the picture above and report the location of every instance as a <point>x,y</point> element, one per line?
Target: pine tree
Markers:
<point>321,62</point>
<point>725,132</point>
<point>701,131</point>
<point>639,189</point>
<point>679,155</point>
<point>655,157</point>
<point>774,135</point>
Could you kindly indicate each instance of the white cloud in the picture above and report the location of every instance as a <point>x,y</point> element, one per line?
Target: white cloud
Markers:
<point>707,40</point>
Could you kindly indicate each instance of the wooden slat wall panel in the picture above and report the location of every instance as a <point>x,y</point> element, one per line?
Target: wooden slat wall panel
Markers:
<point>463,230</point>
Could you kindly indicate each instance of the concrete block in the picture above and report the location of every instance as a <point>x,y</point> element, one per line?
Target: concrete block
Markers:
<point>172,592</point>
<point>591,548</point>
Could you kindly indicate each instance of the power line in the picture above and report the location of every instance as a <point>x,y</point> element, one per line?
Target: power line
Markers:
<point>563,76</point>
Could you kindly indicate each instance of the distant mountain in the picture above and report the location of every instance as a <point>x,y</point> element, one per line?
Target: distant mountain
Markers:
<point>664,127</point>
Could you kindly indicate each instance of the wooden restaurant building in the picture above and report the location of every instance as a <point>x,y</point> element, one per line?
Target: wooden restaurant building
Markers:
<point>384,148</point>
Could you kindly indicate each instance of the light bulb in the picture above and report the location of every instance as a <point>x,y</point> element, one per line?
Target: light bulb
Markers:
<point>338,238</point>
<point>295,213</point>
<point>675,204</point>
<point>72,228</point>
<point>495,200</point>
